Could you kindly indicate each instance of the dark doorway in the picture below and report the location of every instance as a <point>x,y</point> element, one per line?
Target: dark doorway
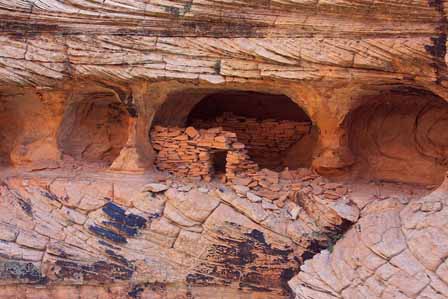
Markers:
<point>274,129</point>
<point>255,105</point>
<point>219,162</point>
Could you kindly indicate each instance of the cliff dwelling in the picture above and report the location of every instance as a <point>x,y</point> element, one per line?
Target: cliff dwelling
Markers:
<point>231,132</point>
<point>280,149</point>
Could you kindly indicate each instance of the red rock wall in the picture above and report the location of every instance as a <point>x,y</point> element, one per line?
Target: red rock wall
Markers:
<point>94,131</point>
<point>404,139</point>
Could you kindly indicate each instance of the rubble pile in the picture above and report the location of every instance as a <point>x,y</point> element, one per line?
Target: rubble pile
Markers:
<point>289,188</point>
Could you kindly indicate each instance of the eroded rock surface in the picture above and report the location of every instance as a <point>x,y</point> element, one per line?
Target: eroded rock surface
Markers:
<point>85,214</point>
<point>398,249</point>
<point>79,231</point>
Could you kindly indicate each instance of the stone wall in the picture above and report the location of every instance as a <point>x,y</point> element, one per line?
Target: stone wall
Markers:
<point>188,152</point>
<point>267,140</point>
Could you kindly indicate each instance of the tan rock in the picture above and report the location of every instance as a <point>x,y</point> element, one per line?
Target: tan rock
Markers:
<point>242,181</point>
<point>294,211</point>
<point>240,189</point>
<point>346,209</point>
<point>147,203</point>
<point>194,204</point>
<point>164,227</point>
<point>252,197</point>
<point>409,285</point>
<point>154,187</point>
<point>408,263</point>
<point>14,251</point>
<point>176,216</point>
<point>268,206</point>
<point>191,132</point>
<point>8,232</point>
<point>191,243</point>
<point>32,240</point>
<point>253,211</point>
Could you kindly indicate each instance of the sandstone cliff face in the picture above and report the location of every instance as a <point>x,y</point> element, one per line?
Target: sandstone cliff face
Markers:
<point>338,207</point>
<point>397,249</point>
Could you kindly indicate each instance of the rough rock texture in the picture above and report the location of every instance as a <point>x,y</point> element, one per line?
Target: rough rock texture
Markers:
<point>94,131</point>
<point>190,153</point>
<point>85,214</point>
<point>403,139</point>
<point>326,56</point>
<point>398,249</point>
<point>86,231</point>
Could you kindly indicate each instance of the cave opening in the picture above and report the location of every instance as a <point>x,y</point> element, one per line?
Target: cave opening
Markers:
<point>272,129</point>
<point>400,135</point>
<point>94,130</point>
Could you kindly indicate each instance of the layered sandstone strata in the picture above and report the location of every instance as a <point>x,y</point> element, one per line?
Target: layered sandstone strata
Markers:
<point>84,213</point>
<point>92,232</point>
<point>397,249</point>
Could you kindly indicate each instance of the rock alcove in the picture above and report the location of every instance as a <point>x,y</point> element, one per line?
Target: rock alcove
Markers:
<point>231,131</point>
<point>400,135</point>
<point>94,129</point>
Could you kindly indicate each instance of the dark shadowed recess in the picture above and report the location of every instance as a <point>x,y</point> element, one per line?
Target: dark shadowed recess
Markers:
<point>265,123</point>
<point>401,135</point>
<point>94,129</point>
<point>248,104</point>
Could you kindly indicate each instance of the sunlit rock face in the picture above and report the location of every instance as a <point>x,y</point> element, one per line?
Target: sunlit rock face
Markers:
<point>101,229</point>
<point>397,249</point>
<point>202,149</point>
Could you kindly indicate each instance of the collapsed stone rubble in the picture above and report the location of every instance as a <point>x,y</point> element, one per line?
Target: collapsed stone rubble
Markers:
<point>190,151</point>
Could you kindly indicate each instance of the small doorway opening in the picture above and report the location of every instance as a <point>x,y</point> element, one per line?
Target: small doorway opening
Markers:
<point>219,162</point>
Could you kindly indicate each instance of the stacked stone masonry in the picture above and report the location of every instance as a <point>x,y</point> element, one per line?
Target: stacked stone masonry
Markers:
<point>267,140</point>
<point>188,152</point>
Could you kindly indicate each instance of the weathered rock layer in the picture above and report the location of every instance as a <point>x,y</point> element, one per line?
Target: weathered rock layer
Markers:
<point>85,213</point>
